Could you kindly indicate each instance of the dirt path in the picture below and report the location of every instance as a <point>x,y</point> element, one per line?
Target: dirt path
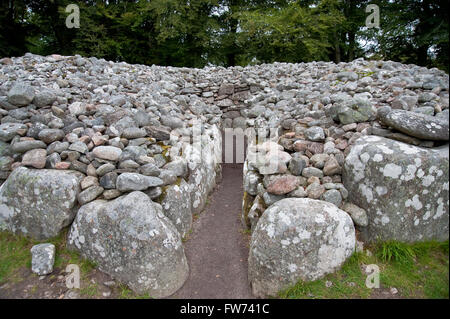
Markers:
<point>217,250</point>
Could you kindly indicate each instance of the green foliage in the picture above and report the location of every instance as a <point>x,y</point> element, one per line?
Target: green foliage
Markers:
<point>412,32</point>
<point>395,251</point>
<point>291,34</point>
<point>229,32</point>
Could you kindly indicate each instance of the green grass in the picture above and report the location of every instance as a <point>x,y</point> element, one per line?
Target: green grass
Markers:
<point>395,251</point>
<point>89,291</point>
<point>15,254</point>
<point>187,236</point>
<point>416,270</point>
<point>127,293</point>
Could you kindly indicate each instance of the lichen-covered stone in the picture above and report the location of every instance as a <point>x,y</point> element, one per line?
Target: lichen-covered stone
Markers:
<point>356,110</point>
<point>298,239</point>
<point>42,259</point>
<point>131,240</point>
<point>38,203</point>
<point>403,188</point>
<point>177,206</point>
<point>251,181</point>
<point>415,124</point>
<point>136,182</point>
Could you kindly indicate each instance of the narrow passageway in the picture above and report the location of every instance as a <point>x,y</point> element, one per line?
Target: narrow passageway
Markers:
<point>217,249</point>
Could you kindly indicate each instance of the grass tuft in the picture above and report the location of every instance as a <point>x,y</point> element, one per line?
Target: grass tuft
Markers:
<point>395,251</point>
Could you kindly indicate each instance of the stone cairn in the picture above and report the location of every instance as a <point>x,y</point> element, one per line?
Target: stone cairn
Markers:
<point>125,154</point>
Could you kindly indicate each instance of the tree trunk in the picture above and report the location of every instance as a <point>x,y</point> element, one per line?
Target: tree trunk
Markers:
<point>337,48</point>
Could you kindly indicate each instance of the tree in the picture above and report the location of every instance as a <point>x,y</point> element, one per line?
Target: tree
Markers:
<point>412,31</point>
<point>14,30</point>
<point>195,33</point>
<point>298,32</point>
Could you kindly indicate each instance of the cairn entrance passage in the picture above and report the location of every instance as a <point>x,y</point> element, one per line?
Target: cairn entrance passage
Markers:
<point>217,248</point>
<point>118,135</point>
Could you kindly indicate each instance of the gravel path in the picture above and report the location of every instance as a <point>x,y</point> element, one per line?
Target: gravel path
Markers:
<point>217,250</point>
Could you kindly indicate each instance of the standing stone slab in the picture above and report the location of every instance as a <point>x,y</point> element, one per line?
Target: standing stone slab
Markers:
<point>403,189</point>
<point>298,239</point>
<point>177,206</point>
<point>42,259</point>
<point>131,240</point>
<point>201,183</point>
<point>38,203</point>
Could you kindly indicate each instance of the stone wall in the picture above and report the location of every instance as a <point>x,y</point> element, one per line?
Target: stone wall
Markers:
<point>84,132</point>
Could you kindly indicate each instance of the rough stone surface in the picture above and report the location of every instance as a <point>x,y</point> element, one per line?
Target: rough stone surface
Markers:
<point>21,94</point>
<point>131,240</point>
<point>89,194</point>
<point>177,206</point>
<point>136,182</point>
<point>9,130</point>
<point>107,152</point>
<point>35,158</point>
<point>355,111</point>
<point>38,203</point>
<point>403,189</point>
<point>298,239</point>
<point>283,184</point>
<point>358,214</point>
<point>422,126</point>
<point>42,259</point>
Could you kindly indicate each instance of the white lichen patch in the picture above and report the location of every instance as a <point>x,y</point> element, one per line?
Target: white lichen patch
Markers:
<point>410,173</point>
<point>428,180</point>
<point>367,192</point>
<point>386,150</point>
<point>392,170</point>
<point>414,202</point>
<point>377,158</point>
<point>440,210</point>
<point>381,190</point>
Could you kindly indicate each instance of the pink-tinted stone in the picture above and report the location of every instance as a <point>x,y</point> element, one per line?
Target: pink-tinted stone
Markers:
<point>283,184</point>
<point>62,165</point>
<point>35,158</point>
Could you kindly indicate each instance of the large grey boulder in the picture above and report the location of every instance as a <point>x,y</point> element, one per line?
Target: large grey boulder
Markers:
<point>402,188</point>
<point>21,94</point>
<point>298,239</point>
<point>415,124</point>
<point>177,206</point>
<point>38,203</point>
<point>131,240</point>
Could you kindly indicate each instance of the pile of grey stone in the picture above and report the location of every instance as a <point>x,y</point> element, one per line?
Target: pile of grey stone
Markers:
<point>125,154</point>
